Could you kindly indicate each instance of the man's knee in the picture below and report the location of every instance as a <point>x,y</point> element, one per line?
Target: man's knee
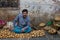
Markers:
<point>15,29</point>
<point>28,30</point>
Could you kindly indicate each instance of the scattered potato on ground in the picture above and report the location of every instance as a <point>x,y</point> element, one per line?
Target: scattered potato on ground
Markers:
<point>5,33</point>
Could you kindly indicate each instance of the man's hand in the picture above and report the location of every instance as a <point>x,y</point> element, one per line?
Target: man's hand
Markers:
<point>23,29</point>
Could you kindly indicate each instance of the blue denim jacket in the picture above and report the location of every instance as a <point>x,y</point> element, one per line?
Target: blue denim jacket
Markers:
<point>21,22</point>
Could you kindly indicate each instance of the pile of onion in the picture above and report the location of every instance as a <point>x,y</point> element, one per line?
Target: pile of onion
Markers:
<point>2,23</point>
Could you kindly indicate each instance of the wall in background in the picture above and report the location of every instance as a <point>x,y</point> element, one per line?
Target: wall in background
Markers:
<point>39,10</point>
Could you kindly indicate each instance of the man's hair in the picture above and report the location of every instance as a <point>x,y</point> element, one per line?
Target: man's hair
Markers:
<point>24,10</point>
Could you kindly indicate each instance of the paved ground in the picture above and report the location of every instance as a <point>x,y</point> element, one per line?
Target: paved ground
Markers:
<point>47,37</point>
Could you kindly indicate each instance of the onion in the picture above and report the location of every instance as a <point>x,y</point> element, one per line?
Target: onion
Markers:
<point>2,23</point>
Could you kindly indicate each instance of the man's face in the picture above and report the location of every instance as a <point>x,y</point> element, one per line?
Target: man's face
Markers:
<point>25,14</point>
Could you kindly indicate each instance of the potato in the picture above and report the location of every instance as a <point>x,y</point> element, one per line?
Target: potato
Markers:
<point>1,36</point>
<point>28,35</point>
<point>8,34</point>
<point>37,33</point>
<point>58,32</point>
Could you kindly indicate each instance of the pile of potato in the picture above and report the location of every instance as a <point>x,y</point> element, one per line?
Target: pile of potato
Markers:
<point>58,32</point>
<point>37,33</point>
<point>5,33</point>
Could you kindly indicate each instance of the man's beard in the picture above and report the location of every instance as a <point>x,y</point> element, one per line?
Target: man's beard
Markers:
<point>24,16</point>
